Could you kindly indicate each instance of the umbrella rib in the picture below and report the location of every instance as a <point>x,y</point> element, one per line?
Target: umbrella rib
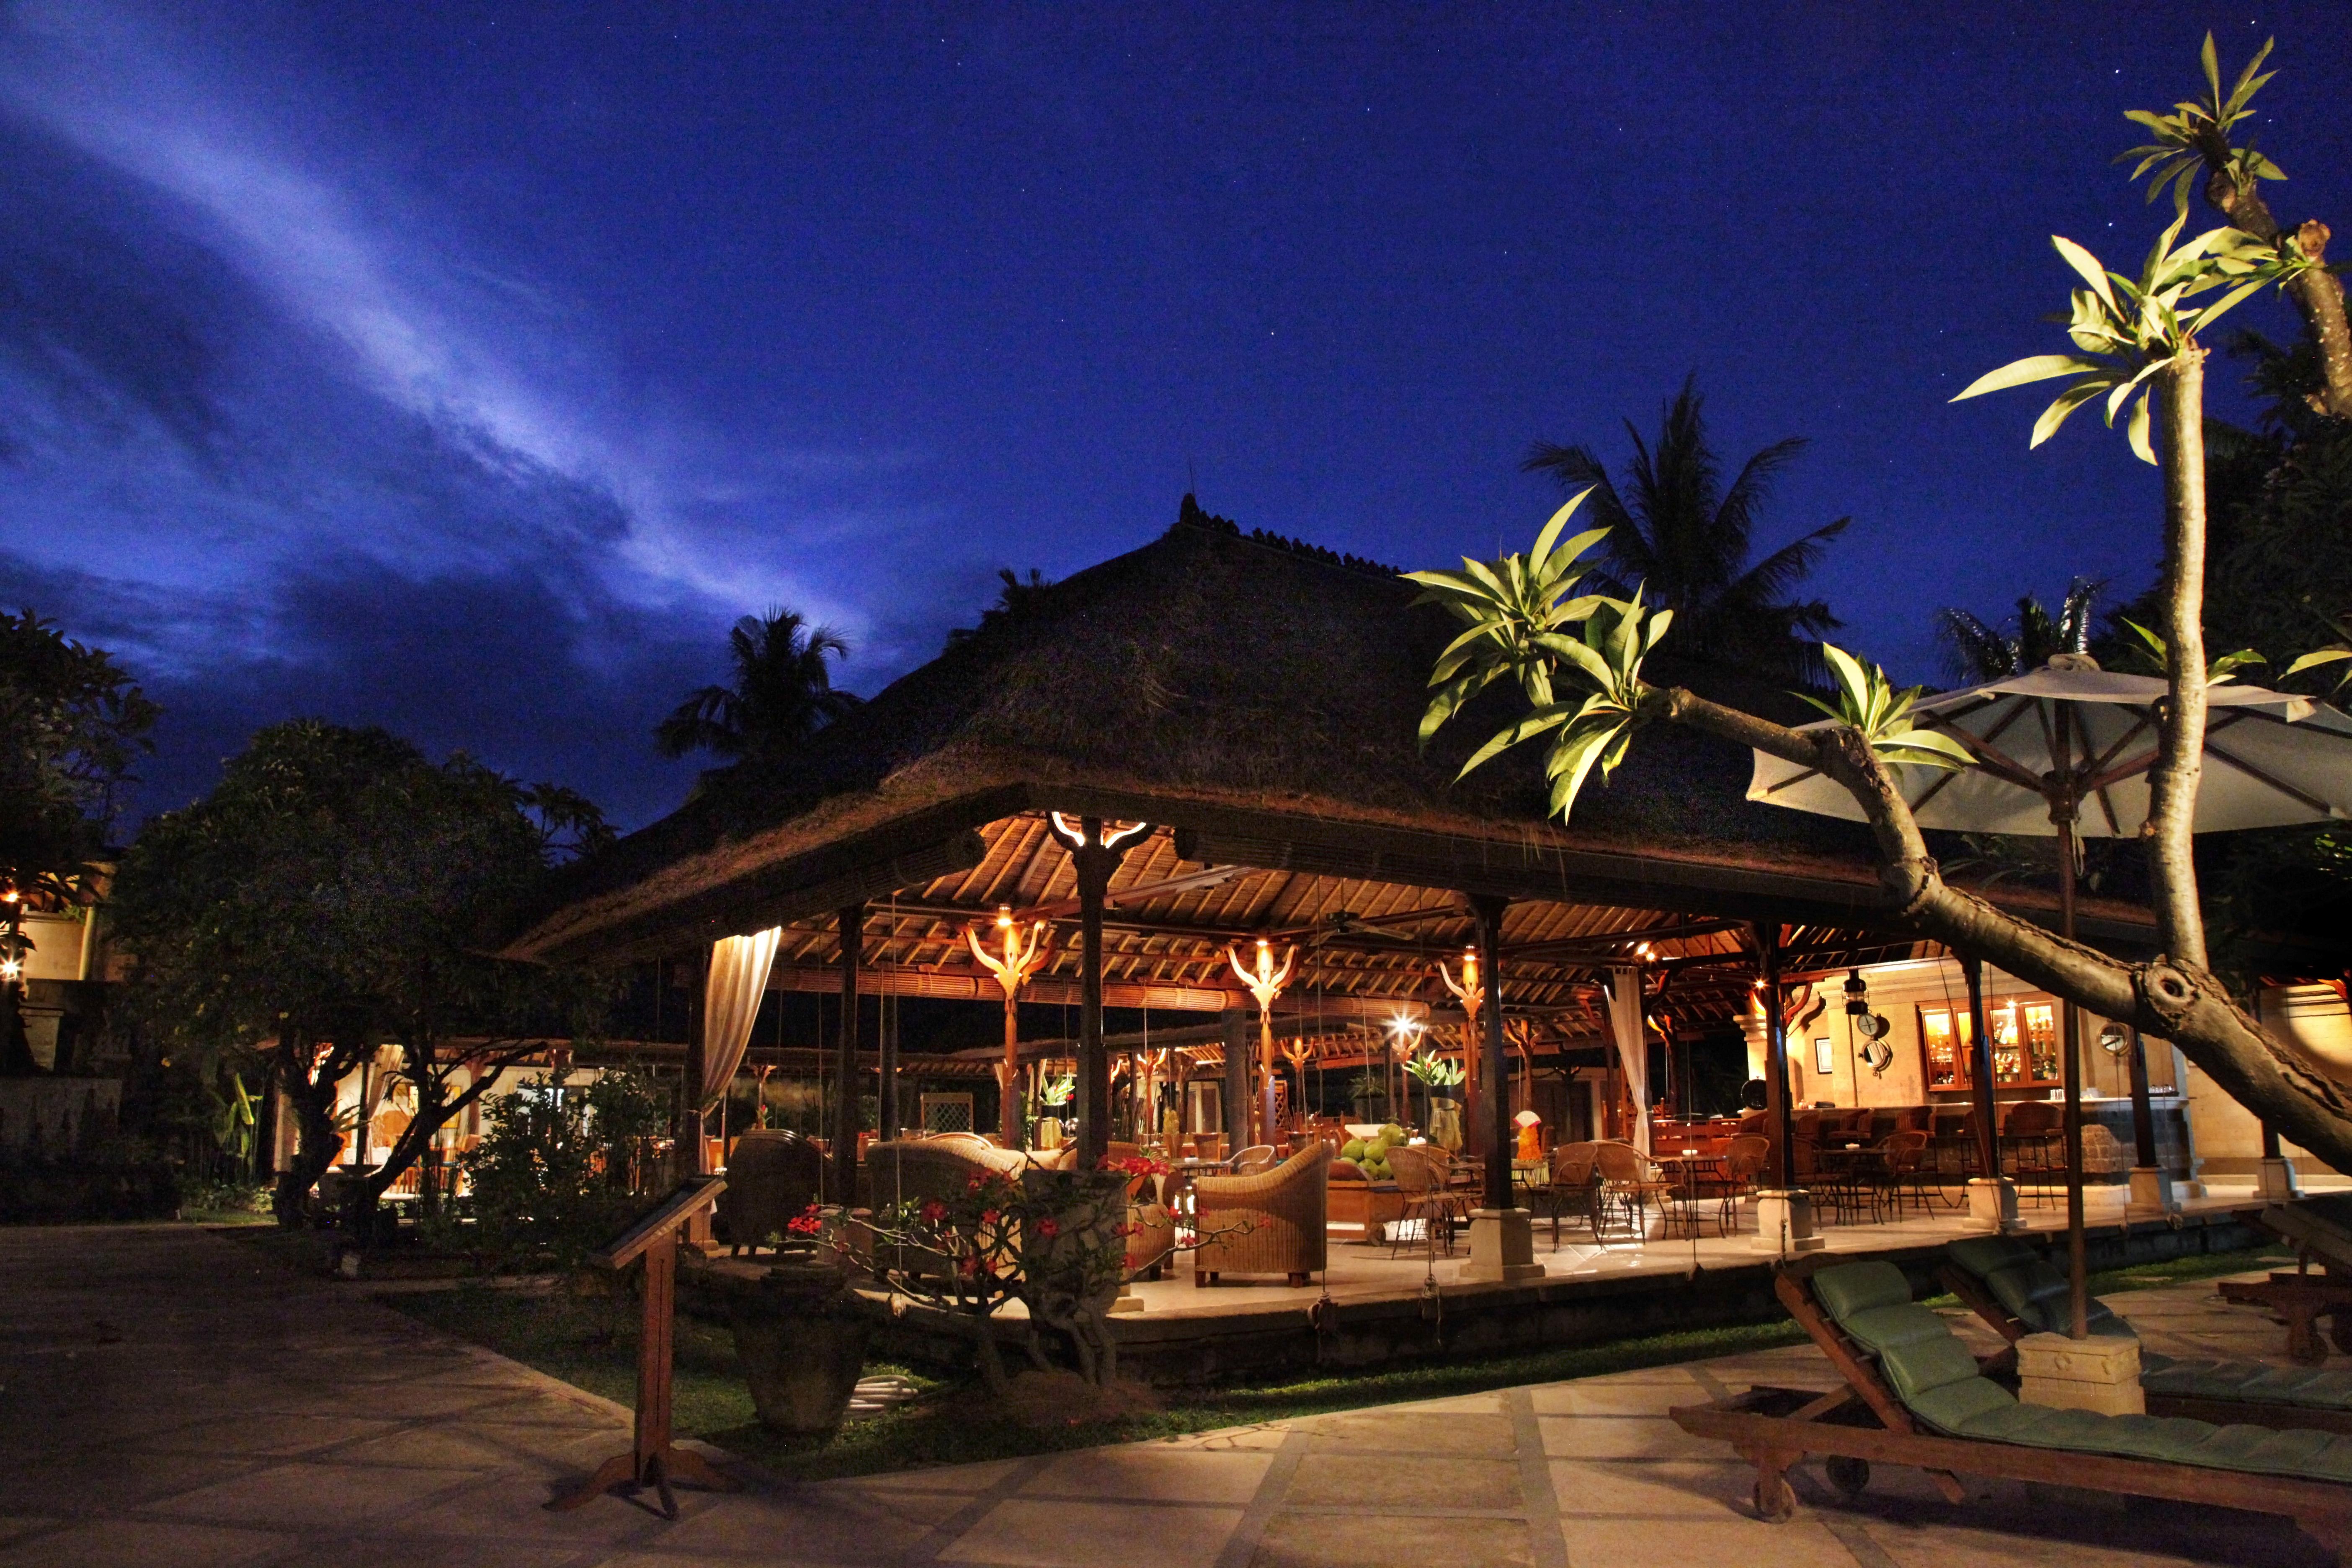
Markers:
<point>1990,757</point>
<point>2098,768</point>
<point>2107,805</point>
<point>2308,802</point>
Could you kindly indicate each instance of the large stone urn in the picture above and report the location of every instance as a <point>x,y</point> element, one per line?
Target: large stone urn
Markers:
<point>801,1340</point>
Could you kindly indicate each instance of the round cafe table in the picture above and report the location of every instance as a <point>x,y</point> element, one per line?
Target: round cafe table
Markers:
<point>1685,1166</point>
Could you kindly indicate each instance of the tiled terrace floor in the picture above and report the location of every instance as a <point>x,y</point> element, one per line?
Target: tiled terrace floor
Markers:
<point>166,1397</point>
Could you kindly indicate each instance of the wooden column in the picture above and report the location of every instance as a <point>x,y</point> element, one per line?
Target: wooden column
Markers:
<point>691,1159</point>
<point>888,1122</point>
<point>845,1060</point>
<point>2142,1113</point>
<point>1493,1139</point>
<point>1094,854</point>
<point>1233,1026</point>
<point>1776,1058</point>
<point>1981,1069</point>
<point>2069,1046</point>
<point>1094,868</point>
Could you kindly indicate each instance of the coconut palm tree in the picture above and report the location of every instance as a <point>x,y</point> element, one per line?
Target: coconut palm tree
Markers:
<point>1979,651</point>
<point>783,690</point>
<point>1017,601</point>
<point>1674,527</point>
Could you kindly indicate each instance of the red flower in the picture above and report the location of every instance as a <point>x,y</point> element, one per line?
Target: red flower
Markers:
<point>976,1183</point>
<point>933,1212</point>
<point>988,1217</point>
<point>1048,1227</point>
<point>969,1267</point>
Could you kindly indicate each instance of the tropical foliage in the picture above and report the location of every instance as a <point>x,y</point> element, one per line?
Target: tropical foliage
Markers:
<point>2129,330</point>
<point>1673,525</point>
<point>327,901</point>
<point>1018,599</point>
<point>2136,341</point>
<point>559,1168</point>
<point>783,691</point>
<point>72,725</point>
<point>1579,661</point>
<point>1979,651</point>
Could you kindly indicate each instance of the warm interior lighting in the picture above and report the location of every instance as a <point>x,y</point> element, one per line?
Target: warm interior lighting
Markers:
<point>1005,916</point>
<point>10,969</point>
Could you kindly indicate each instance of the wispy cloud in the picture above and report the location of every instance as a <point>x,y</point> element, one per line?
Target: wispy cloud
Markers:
<point>284,431</point>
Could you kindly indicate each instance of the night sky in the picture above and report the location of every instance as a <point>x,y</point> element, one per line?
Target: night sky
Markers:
<point>469,369</point>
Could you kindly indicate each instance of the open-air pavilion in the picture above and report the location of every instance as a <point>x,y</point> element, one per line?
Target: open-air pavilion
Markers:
<point>1209,743</point>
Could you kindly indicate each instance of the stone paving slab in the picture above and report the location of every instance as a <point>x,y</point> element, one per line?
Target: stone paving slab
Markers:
<point>230,1415</point>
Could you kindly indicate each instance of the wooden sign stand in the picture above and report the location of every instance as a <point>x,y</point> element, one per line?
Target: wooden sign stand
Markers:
<point>652,1461</point>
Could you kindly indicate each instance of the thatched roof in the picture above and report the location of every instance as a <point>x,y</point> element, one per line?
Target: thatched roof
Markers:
<point>1258,698</point>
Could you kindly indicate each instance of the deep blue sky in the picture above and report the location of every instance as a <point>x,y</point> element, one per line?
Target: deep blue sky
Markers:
<point>468,369</point>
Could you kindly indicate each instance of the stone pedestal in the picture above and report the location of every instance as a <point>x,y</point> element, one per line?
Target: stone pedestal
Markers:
<point>1502,1247</point>
<point>2151,1191</point>
<point>1992,1203</point>
<point>2278,1183</point>
<point>2101,1373</point>
<point>1784,1219</point>
<point>1128,1301</point>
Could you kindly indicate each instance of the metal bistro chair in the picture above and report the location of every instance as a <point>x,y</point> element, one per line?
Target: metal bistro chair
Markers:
<point>1630,1182</point>
<point>2031,1132</point>
<point>1729,1179</point>
<point>1574,1187</point>
<point>1905,1170</point>
<point>1421,1182</point>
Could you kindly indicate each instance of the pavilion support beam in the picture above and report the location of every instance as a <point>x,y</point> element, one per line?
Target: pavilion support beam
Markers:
<point>1992,1196</point>
<point>1502,1236</point>
<point>2151,1184</point>
<point>845,1060</point>
<point>1784,1210</point>
<point>1094,854</point>
<point>688,1156</point>
<point>1236,1026</point>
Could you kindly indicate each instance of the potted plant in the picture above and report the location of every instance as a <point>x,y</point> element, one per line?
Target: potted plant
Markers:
<point>1438,1078</point>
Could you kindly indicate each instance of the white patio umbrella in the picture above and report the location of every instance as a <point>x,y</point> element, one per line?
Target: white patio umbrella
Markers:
<point>2065,750</point>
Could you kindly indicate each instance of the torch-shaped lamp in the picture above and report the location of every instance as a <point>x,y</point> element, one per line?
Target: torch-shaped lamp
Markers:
<point>1471,991</point>
<point>1024,952</point>
<point>1265,984</point>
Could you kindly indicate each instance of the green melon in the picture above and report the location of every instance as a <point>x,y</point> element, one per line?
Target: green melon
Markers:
<point>1352,1149</point>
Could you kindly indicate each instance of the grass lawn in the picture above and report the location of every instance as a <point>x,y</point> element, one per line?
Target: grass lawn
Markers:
<point>591,1343</point>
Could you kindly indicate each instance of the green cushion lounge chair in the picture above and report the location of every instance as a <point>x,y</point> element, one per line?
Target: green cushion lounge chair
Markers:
<point>2017,1290</point>
<point>1915,1395</point>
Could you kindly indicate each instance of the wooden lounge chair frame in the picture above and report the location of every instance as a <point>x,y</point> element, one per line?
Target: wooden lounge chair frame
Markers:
<point>2301,1297</point>
<point>1775,1428</point>
<point>1973,1295</point>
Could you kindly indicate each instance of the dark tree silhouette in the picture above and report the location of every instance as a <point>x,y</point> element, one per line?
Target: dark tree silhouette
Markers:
<point>1677,530</point>
<point>783,691</point>
<point>1978,650</point>
<point>1017,600</point>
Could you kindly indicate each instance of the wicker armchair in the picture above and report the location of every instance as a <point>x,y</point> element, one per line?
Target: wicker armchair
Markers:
<point>772,1177</point>
<point>1421,1177</point>
<point>1283,1210</point>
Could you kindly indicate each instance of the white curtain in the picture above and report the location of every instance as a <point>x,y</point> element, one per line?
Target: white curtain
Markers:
<point>730,1001</point>
<point>1633,1047</point>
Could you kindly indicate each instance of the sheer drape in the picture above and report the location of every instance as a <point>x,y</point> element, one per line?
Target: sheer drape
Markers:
<point>1632,1048</point>
<point>730,1001</point>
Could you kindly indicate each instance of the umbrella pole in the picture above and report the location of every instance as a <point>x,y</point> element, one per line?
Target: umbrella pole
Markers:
<point>2078,1288</point>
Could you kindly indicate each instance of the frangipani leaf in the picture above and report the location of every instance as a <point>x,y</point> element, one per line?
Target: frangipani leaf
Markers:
<point>2020,372</point>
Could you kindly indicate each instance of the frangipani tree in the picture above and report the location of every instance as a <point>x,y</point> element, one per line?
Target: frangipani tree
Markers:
<point>1580,663</point>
